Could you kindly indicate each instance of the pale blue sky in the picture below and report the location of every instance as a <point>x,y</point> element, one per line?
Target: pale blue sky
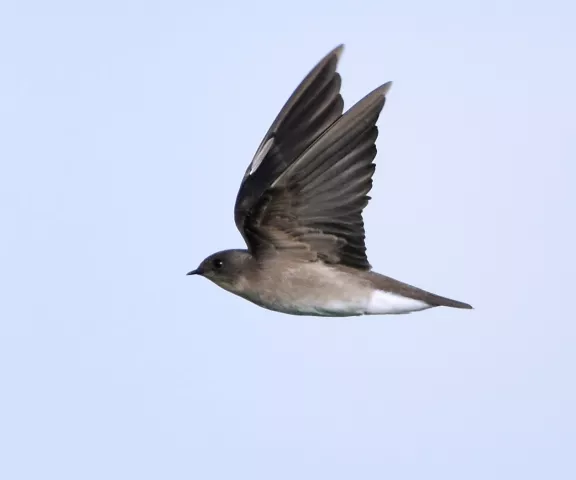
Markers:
<point>125,128</point>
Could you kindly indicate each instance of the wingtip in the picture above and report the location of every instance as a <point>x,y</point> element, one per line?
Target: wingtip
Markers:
<point>378,93</point>
<point>331,58</point>
<point>336,53</point>
<point>338,50</point>
<point>384,89</point>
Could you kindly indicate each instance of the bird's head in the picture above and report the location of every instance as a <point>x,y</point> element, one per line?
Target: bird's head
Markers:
<point>224,268</point>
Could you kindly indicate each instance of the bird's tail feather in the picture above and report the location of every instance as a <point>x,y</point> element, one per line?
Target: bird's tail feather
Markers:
<point>438,301</point>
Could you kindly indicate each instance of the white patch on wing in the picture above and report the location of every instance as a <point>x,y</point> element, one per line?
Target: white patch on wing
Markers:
<point>261,154</point>
<point>382,303</point>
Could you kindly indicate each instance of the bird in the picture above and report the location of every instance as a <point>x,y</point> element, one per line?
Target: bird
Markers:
<point>299,209</point>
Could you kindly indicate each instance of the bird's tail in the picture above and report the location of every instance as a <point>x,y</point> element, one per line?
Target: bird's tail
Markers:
<point>438,301</point>
<point>388,284</point>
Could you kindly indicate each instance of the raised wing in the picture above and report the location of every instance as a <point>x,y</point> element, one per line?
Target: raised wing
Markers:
<point>313,106</point>
<point>314,209</point>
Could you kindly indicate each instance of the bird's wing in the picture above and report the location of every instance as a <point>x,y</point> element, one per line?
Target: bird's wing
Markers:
<point>314,208</point>
<point>313,107</point>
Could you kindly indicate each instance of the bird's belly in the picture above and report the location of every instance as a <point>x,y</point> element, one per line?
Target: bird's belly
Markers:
<point>322,308</point>
<point>316,307</point>
<point>378,303</point>
<point>330,296</point>
<point>328,293</point>
<point>374,303</point>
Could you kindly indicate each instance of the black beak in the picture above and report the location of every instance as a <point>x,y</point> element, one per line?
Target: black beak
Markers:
<point>194,272</point>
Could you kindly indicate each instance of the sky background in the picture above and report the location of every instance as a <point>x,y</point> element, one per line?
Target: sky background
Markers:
<point>125,129</point>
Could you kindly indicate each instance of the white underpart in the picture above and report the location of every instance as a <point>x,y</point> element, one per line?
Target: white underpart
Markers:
<point>382,303</point>
<point>333,308</point>
<point>376,303</point>
<point>336,294</point>
<point>261,154</point>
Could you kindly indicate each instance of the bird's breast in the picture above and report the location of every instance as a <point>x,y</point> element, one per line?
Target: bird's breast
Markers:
<point>310,289</point>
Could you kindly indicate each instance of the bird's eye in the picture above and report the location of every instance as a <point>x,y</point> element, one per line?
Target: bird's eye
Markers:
<point>217,263</point>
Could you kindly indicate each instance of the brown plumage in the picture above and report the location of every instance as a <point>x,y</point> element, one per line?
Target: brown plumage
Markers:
<point>299,209</point>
